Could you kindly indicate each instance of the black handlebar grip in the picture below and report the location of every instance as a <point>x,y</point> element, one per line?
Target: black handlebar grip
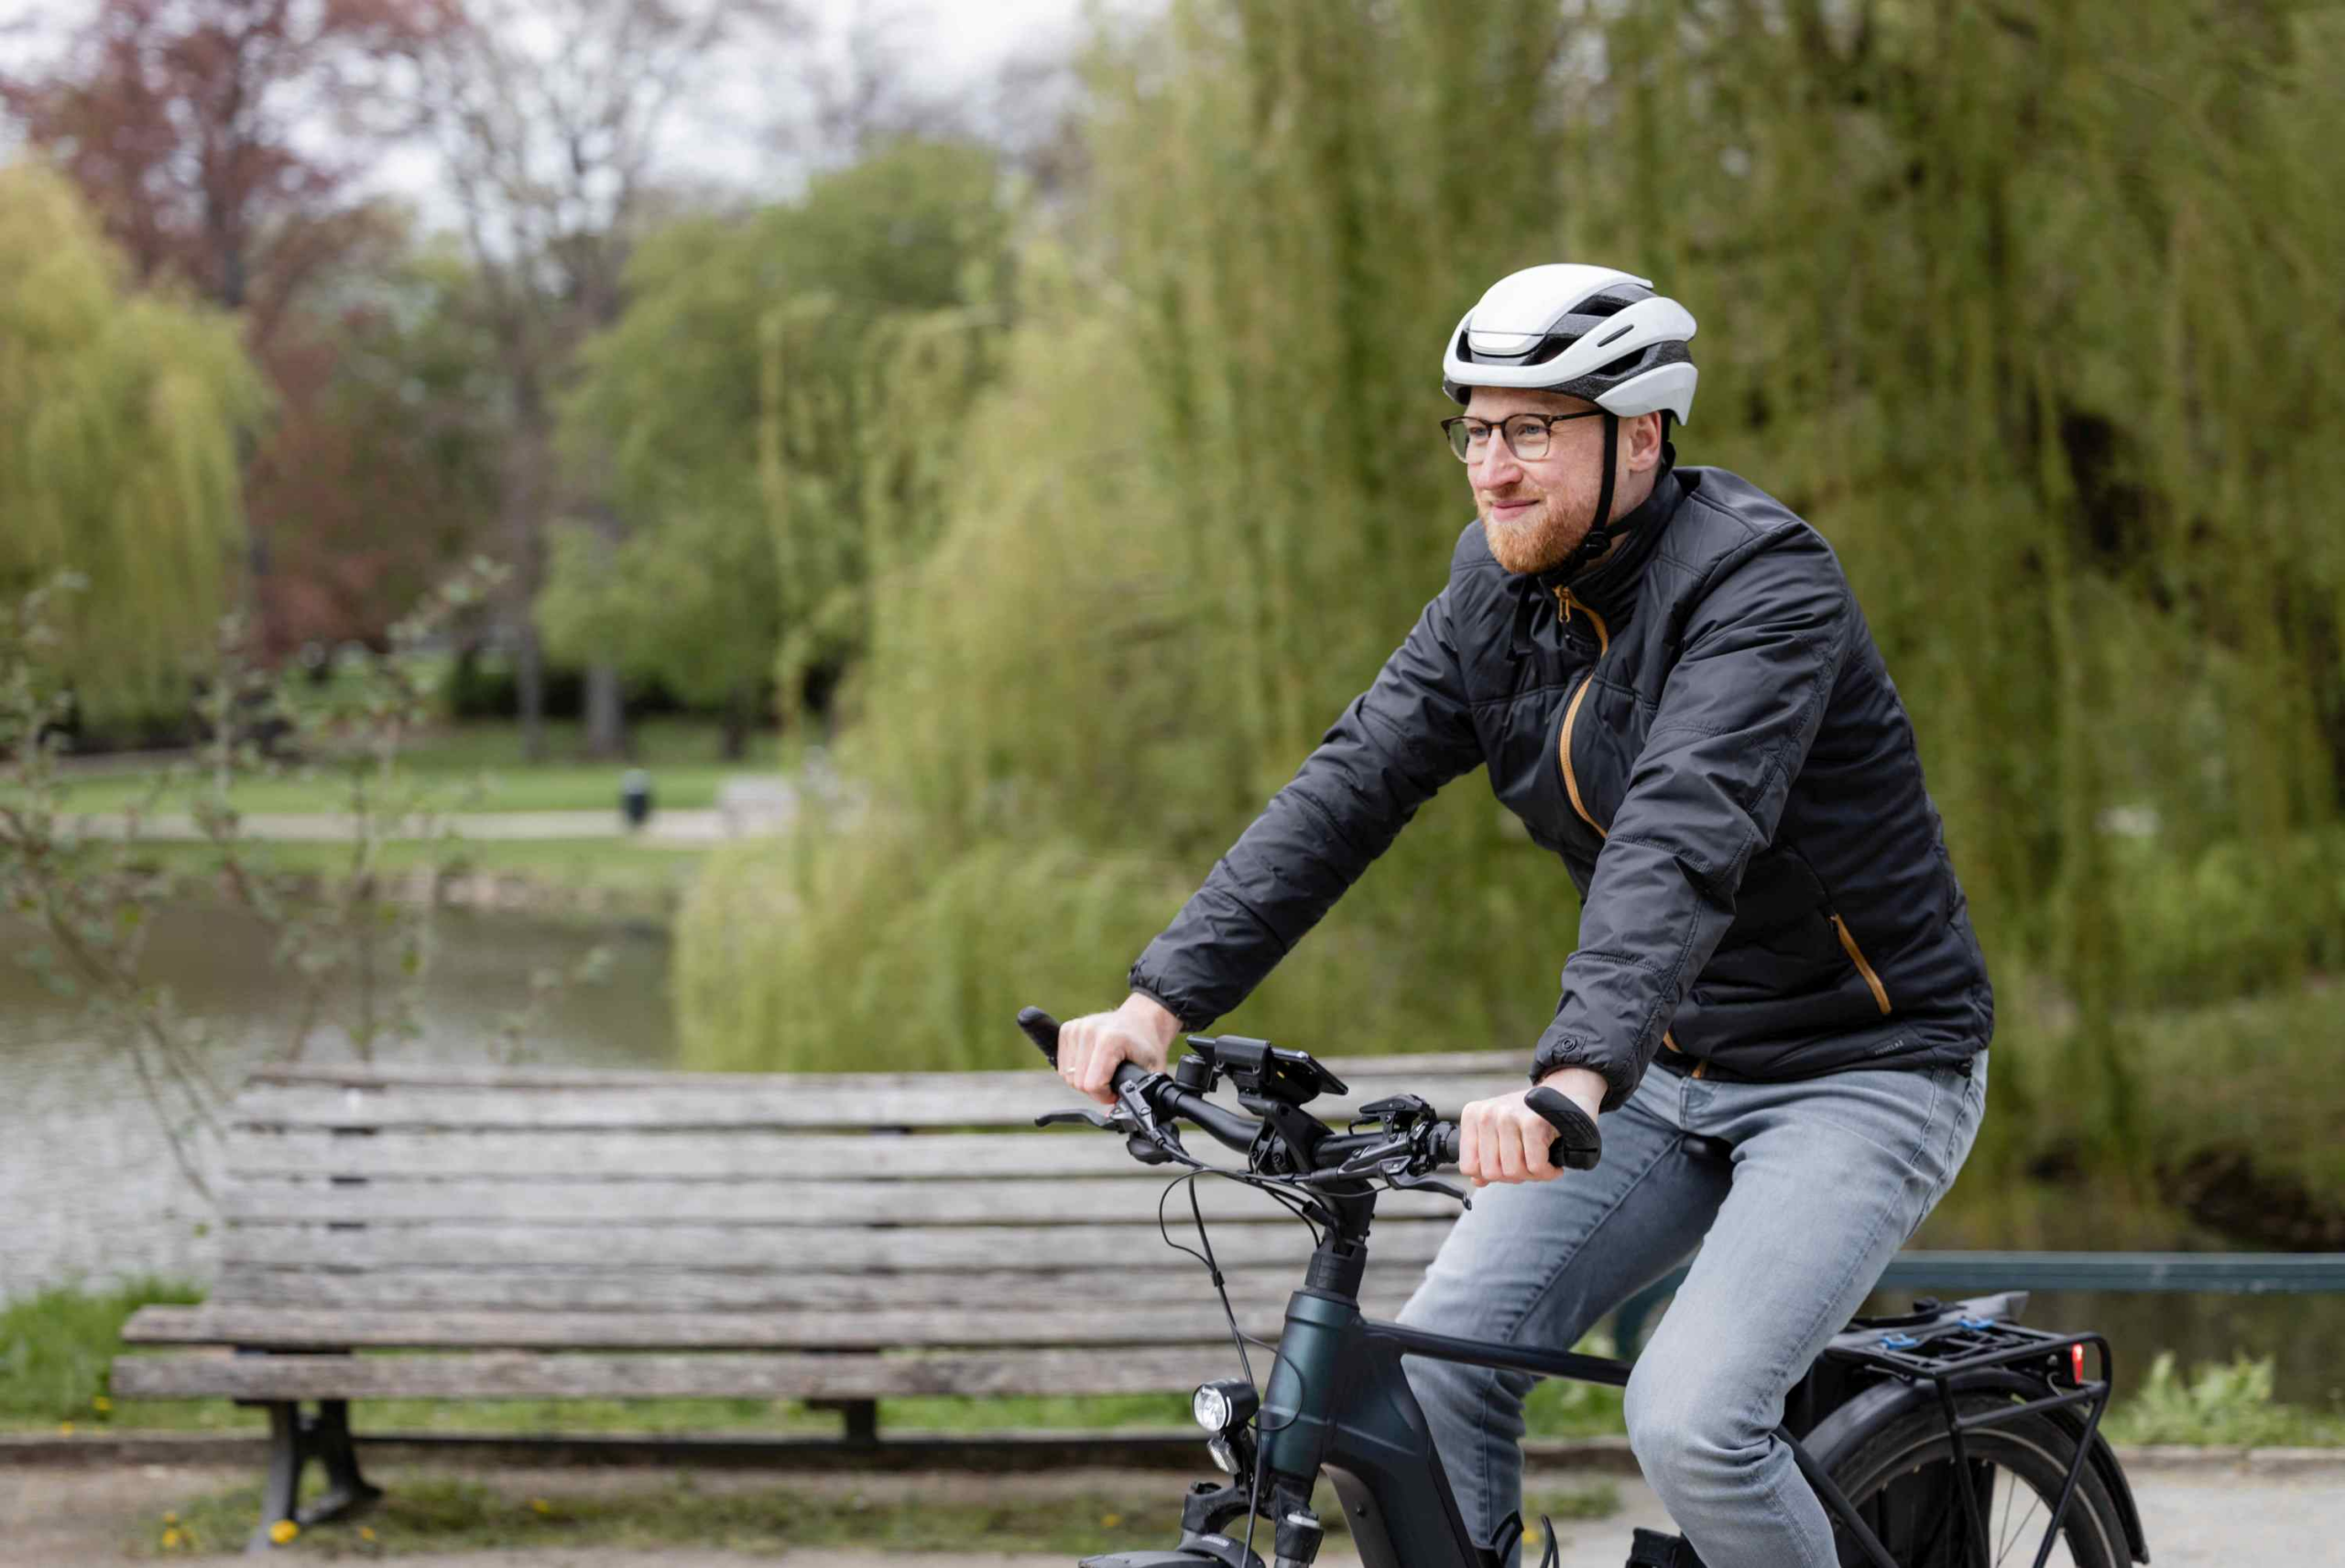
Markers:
<point>1446,1150</point>
<point>1043,1029</point>
<point>1580,1146</point>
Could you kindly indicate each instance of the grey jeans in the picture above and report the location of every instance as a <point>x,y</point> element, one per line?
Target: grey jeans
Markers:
<point>1797,1195</point>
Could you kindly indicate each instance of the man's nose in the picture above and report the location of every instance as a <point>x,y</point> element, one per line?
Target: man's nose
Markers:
<point>1497,467</point>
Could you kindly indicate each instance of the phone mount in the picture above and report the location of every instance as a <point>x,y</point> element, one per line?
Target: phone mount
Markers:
<point>1266,1077</point>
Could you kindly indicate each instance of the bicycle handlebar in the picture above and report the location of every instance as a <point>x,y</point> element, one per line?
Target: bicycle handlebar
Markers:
<point>1226,1126</point>
<point>1578,1147</point>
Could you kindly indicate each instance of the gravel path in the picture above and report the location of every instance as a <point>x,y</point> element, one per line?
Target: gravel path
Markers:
<point>2202,1515</point>
<point>689,825</point>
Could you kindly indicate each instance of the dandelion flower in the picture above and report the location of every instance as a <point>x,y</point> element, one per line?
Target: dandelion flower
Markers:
<point>283,1531</point>
<point>102,1404</point>
<point>540,1504</point>
<point>1110,1521</point>
<point>171,1518</point>
<point>366,1532</point>
<point>172,1540</point>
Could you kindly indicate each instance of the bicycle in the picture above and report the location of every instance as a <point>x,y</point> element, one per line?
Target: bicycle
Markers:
<point>1920,1435</point>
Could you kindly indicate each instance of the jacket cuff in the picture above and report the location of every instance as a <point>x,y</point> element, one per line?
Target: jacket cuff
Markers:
<point>1190,1019</point>
<point>1559,1049</point>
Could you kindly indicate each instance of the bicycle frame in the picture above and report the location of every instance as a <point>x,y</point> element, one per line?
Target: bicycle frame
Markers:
<point>1339,1401</point>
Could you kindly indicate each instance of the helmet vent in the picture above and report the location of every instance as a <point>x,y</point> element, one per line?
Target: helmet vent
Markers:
<point>1618,332</point>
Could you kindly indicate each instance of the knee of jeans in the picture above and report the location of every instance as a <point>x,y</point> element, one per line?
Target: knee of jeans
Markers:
<point>1452,1394</point>
<point>1686,1428</point>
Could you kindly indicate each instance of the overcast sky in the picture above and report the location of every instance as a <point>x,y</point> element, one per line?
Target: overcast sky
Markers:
<point>949,49</point>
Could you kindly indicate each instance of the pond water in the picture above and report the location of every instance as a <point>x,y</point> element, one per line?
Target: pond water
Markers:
<point>2304,1334</point>
<point>89,1191</point>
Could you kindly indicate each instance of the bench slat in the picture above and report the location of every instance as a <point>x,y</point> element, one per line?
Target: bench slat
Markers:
<point>521,1375</point>
<point>959,1324</point>
<point>681,1291</point>
<point>839,1205</point>
<point>559,1079</point>
<point>497,1154</point>
<point>943,1100</point>
<point>724,1248</point>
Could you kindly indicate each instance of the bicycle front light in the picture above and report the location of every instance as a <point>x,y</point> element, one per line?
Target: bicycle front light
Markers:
<point>1226,1406</point>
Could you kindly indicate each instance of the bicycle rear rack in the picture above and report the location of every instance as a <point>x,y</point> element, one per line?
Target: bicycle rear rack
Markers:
<point>1944,1353</point>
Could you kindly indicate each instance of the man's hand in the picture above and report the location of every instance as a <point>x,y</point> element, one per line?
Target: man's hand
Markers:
<point>1140,1031</point>
<point>1506,1140</point>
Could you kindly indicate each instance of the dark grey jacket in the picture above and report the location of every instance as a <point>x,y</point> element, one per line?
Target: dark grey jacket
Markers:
<point>1701,727</point>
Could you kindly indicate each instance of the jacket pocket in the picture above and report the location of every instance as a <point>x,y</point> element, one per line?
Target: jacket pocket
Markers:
<point>1564,753</point>
<point>1857,956</point>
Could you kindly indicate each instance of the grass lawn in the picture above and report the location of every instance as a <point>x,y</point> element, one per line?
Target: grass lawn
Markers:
<point>428,1513</point>
<point>625,868</point>
<point>682,756</point>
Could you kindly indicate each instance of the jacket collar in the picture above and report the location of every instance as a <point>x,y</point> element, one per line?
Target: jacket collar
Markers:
<point>1609,586</point>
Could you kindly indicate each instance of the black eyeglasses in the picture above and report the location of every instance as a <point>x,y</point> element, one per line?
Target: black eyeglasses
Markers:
<point>1527,436</point>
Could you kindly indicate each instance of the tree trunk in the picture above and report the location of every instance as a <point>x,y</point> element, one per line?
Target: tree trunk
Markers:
<point>737,708</point>
<point>529,690</point>
<point>606,711</point>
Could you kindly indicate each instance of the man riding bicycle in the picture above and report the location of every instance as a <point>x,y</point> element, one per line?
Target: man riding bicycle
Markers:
<point>1670,683</point>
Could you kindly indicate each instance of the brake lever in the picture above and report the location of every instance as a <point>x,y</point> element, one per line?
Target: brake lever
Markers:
<point>1099,1119</point>
<point>1434,1184</point>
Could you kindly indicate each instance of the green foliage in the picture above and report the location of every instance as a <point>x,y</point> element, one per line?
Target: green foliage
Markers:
<point>120,419</point>
<point>2217,1405</point>
<point>55,1345</point>
<point>768,411</point>
<point>2030,314</point>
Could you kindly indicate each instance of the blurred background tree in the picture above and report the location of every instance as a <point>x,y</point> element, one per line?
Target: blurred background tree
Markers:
<point>120,416</point>
<point>547,119</point>
<point>2028,312</point>
<point>776,405</point>
<point>188,131</point>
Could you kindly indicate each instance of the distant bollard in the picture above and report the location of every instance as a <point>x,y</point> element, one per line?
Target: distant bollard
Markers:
<point>635,796</point>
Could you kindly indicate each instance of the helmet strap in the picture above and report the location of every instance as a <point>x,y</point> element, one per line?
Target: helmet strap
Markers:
<point>1599,532</point>
<point>1603,524</point>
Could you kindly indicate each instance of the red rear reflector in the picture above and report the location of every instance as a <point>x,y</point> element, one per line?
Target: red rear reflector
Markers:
<point>2077,1362</point>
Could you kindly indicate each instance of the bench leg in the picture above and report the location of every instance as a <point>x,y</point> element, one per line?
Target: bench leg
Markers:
<point>861,1416</point>
<point>294,1439</point>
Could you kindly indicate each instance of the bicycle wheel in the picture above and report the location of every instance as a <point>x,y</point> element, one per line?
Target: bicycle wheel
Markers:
<point>1901,1477</point>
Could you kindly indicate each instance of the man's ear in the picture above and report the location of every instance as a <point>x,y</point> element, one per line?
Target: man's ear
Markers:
<point>1644,443</point>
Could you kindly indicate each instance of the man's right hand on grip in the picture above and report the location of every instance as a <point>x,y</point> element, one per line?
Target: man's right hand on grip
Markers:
<point>1086,1050</point>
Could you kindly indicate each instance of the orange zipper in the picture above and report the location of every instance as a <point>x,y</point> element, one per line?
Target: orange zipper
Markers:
<point>1700,1066</point>
<point>1855,956</point>
<point>1566,602</point>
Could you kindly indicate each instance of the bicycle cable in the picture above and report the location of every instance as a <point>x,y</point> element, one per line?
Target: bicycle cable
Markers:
<point>1238,1336</point>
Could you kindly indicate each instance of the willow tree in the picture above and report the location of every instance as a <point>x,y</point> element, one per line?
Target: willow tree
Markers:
<point>766,414</point>
<point>119,418</point>
<point>2030,311</point>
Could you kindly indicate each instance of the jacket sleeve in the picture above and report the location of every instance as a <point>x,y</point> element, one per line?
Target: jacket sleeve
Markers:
<point>1398,742</point>
<point>1762,650</point>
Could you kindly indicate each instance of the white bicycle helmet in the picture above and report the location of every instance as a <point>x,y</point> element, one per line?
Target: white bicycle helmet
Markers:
<point>1588,331</point>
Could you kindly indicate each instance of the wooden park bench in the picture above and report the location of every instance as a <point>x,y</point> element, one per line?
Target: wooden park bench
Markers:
<point>838,1238</point>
